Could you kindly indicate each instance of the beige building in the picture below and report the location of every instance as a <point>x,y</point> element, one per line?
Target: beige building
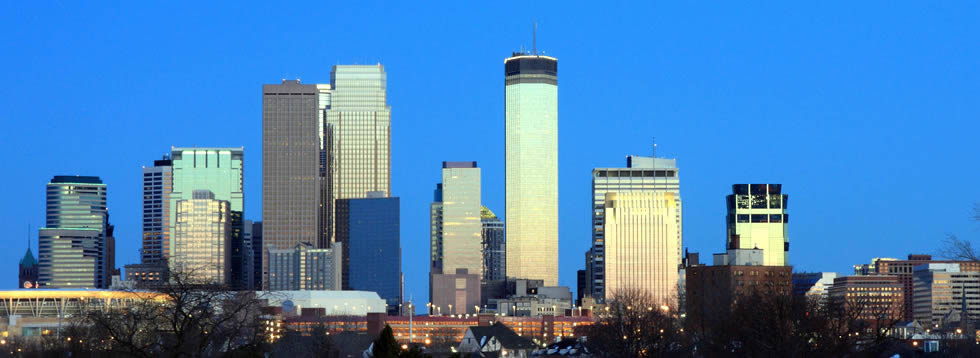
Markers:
<point>757,219</point>
<point>945,295</point>
<point>456,240</point>
<point>641,243</point>
<point>531,145</point>
<point>202,239</point>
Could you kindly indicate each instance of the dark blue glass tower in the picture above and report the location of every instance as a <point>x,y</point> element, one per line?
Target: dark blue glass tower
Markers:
<point>372,258</point>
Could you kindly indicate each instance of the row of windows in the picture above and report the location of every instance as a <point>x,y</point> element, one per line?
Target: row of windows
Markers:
<point>759,218</point>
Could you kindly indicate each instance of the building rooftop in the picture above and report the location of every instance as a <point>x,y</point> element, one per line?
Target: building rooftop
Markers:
<point>76,179</point>
<point>28,259</point>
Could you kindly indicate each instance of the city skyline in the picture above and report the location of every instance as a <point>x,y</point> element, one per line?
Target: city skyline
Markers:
<point>862,135</point>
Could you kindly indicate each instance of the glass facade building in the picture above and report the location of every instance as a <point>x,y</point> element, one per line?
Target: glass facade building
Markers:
<point>757,218</point>
<point>218,170</point>
<point>456,228</point>
<point>158,183</point>
<point>356,135</point>
<point>531,145</point>
<point>368,229</point>
<point>73,247</point>
<point>202,239</point>
<point>494,246</point>
<point>641,174</point>
<point>305,268</point>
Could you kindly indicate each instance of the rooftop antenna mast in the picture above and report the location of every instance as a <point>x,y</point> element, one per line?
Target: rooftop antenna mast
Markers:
<point>534,37</point>
<point>28,236</point>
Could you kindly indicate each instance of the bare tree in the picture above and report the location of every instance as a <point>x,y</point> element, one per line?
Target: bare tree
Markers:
<point>636,325</point>
<point>955,248</point>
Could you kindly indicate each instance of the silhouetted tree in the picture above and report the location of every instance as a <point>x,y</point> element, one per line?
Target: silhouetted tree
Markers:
<point>385,346</point>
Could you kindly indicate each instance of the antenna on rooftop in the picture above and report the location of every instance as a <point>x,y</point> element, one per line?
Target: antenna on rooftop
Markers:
<point>28,236</point>
<point>534,37</point>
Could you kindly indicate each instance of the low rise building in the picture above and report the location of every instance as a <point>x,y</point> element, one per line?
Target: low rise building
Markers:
<point>877,299</point>
<point>945,296</point>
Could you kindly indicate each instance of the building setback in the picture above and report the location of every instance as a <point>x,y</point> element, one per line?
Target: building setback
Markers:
<point>757,218</point>
<point>73,247</point>
<point>531,146</point>
<point>368,228</point>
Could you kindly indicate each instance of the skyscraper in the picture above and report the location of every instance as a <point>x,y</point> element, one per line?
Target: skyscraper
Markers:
<point>757,219</point>
<point>291,181</point>
<point>641,244</point>
<point>73,246</point>
<point>357,136</point>
<point>494,247</point>
<point>203,238</point>
<point>368,229</point>
<point>456,239</point>
<point>531,125</point>
<point>641,174</point>
<point>218,170</point>
<point>158,183</point>
<point>456,232</point>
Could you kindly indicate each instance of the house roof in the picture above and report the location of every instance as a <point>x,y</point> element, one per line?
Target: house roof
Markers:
<point>507,338</point>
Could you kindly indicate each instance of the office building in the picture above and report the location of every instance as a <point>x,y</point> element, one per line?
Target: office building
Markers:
<point>711,290</point>
<point>248,245</point>
<point>456,227</point>
<point>904,270</point>
<point>368,228</point>
<point>757,219</point>
<point>357,136</point>
<point>157,186</point>
<point>203,239</point>
<point>218,170</point>
<point>494,246</point>
<point>73,247</point>
<point>641,251</point>
<point>456,239</point>
<point>147,275</point>
<point>641,174</point>
<point>305,268</point>
<point>531,145</point>
<point>870,298</point>
<point>27,271</point>
<point>945,296</point>
<point>291,166</point>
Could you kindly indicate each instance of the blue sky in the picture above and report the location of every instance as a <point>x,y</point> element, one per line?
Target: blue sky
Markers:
<point>865,112</point>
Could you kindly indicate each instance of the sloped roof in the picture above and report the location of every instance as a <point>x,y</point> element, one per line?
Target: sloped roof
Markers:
<point>28,259</point>
<point>507,338</point>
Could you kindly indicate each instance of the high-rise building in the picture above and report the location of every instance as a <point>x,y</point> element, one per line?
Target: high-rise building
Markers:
<point>203,238</point>
<point>357,136</point>
<point>291,175</point>
<point>757,219</point>
<point>27,273</point>
<point>73,246</point>
<point>641,174</point>
<point>218,170</point>
<point>945,295</point>
<point>157,185</point>
<point>531,131</point>
<point>456,239</point>
<point>368,228</point>
<point>494,246</point>
<point>641,246</point>
<point>305,268</point>
<point>456,230</point>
